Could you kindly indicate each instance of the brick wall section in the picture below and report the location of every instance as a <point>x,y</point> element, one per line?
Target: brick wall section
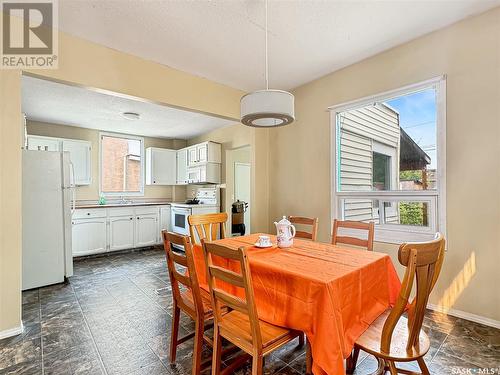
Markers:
<point>114,152</point>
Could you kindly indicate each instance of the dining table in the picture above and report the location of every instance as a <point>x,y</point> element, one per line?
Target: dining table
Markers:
<point>331,293</point>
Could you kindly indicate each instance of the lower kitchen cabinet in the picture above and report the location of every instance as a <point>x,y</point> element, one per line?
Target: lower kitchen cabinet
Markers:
<point>121,233</point>
<point>89,236</point>
<point>109,229</point>
<point>146,230</point>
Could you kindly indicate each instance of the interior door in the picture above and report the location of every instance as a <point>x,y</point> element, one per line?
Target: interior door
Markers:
<point>242,188</point>
<point>121,233</point>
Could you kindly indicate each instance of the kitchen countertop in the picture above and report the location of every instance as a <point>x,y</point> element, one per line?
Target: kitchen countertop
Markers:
<point>113,205</point>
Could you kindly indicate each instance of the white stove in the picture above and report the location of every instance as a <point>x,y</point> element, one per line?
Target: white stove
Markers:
<point>208,198</point>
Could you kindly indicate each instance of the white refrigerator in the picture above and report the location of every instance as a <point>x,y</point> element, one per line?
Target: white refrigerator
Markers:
<point>48,194</point>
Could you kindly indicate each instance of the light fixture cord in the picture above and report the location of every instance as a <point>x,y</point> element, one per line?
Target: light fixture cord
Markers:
<point>267,60</point>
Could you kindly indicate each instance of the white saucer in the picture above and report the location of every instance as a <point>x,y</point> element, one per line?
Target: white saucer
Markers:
<point>262,247</point>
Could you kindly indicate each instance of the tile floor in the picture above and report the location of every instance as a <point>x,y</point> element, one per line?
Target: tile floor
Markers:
<point>113,317</point>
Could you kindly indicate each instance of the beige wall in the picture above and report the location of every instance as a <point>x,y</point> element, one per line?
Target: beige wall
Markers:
<point>237,136</point>
<point>92,191</point>
<point>10,200</point>
<point>88,64</point>
<point>469,53</point>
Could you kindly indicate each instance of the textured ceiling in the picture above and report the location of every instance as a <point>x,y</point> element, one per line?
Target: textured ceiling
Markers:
<point>75,106</point>
<point>223,40</point>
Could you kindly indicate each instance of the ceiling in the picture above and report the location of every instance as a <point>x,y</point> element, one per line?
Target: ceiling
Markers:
<point>58,103</point>
<point>223,40</point>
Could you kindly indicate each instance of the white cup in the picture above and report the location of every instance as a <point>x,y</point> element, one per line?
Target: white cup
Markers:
<point>264,241</point>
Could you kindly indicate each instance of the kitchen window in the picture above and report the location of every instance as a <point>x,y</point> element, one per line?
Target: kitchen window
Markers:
<point>122,165</point>
<point>388,161</point>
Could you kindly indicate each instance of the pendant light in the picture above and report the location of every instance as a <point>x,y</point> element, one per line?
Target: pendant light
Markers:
<point>267,108</point>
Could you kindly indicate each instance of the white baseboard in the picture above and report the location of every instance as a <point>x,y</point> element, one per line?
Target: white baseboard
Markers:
<point>465,315</point>
<point>12,332</point>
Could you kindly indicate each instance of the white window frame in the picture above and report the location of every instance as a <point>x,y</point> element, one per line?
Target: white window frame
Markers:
<point>435,199</point>
<point>142,177</point>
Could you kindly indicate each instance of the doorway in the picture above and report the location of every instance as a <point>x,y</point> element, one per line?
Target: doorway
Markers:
<point>242,190</point>
<point>239,187</point>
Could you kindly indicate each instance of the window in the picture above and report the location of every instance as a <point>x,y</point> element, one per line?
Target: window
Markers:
<point>122,165</point>
<point>388,162</point>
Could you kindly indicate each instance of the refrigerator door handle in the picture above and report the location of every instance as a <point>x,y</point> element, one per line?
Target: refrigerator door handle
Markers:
<point>72,186</point>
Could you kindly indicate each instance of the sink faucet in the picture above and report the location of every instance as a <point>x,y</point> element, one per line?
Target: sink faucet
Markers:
<point>124,201</point>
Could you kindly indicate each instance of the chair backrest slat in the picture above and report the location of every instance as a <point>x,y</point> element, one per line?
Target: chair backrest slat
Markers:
<point>423,262</point>
<point>305,221</point>
<point>349,240</point>
<point>227,276</point>
<point>220,297</point>
<point>231,301</point>
<point>206,227</point>
<point>189,280</point>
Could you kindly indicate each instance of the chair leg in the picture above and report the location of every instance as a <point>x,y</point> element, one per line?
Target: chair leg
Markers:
<point>309,358</point>
<point>175,333</point>
<point>423,366</point>
<point>301,339</point>
<point>257,365</point>
<point>217,352</point>
<point>352,361</point>
<point>392,367</point>
<point>198,348</point>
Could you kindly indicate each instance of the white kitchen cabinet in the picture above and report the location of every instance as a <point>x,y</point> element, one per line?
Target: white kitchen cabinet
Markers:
<point>98,230</point>
<point>79,153</point>
<point>80,156</point>
<point>43,143</point>
<point>206,152</point>
<point>146,230</point>
<point>202,152</point>
<point>121,232</point>
<point>192,156</point>
<point>89,236</point>
<point>161,165</point>
<point>182,166</point>
<point>206,173</point>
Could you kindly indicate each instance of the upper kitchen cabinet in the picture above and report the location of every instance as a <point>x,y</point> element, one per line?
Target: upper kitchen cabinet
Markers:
<point>182,166</point>
<point>206,152</point>
<point>79,153</point>
<point>161,165</point>
<point>43,143</point>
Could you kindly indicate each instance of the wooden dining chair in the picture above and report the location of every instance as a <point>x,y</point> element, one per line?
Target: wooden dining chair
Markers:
<point>207,227</point>
<point>194,301</point>
<point>305,221</point>
<point>392,338</point>
<point>349,240</point>
<point>241,326</point>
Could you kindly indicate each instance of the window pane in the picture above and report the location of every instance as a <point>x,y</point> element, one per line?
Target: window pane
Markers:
<point>389,145</point>
<point>121,165</point>
<point>360,210</point>
<point>407,213</point>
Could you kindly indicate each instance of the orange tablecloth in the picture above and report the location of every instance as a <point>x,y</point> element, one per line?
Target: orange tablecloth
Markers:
<point>329,292</point>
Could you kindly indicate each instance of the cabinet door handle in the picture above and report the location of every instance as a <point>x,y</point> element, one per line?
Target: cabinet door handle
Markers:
<point>131,218</point>
<point>138,217</point>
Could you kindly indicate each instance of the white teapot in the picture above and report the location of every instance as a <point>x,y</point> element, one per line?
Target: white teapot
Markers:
<point>285,232</point>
